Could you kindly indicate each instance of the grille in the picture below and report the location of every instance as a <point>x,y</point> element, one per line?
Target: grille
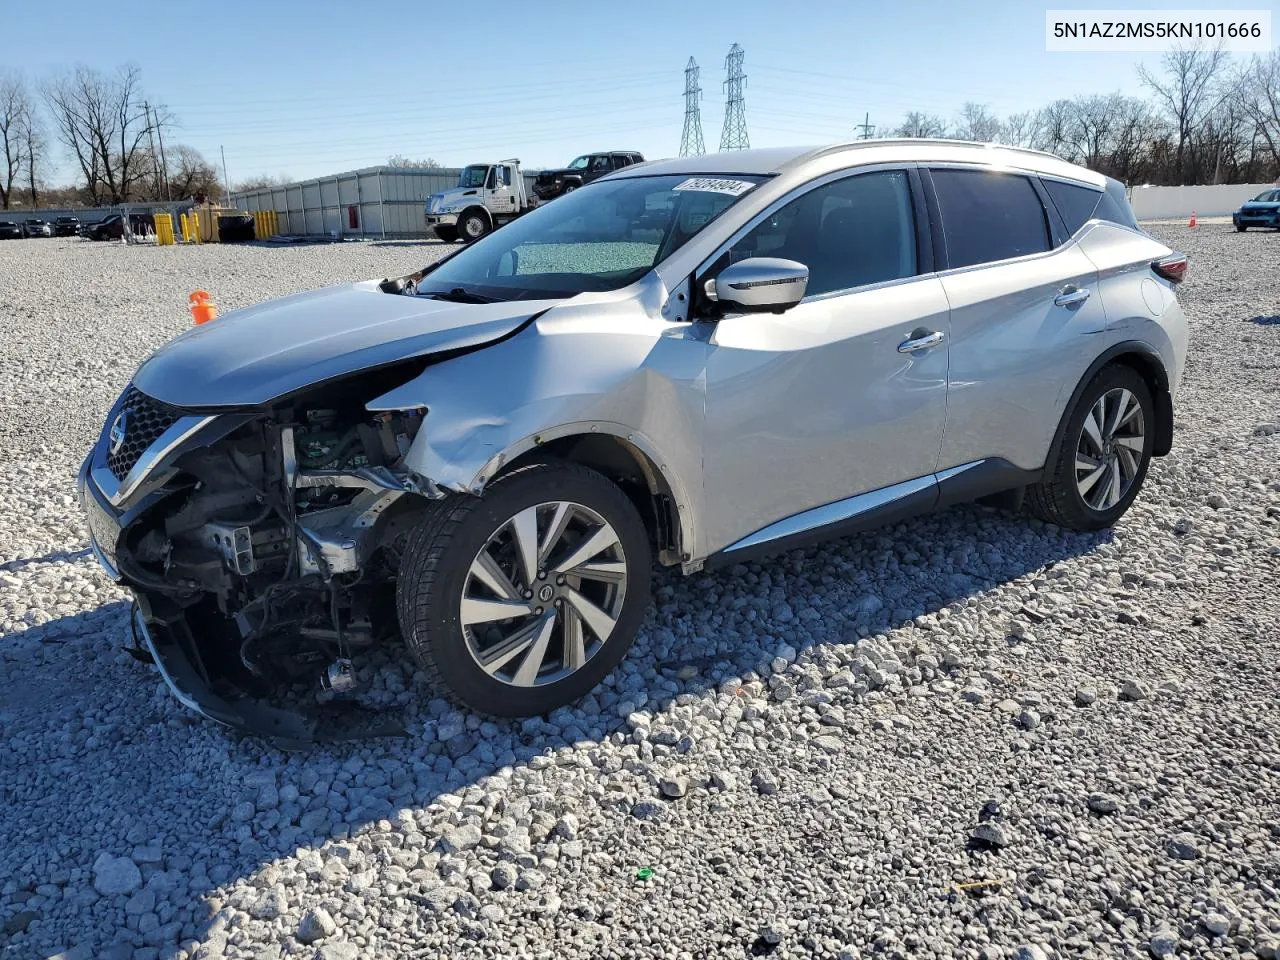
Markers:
<point>144,420</point>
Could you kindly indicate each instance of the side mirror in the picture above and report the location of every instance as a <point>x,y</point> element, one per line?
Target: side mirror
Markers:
<point>760,285</point>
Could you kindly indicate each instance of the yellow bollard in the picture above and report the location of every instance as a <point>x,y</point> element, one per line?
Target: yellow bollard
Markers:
<point>195,227</point>
<point>183,221</point>
<point>275,223</point>
<point>164,229</point>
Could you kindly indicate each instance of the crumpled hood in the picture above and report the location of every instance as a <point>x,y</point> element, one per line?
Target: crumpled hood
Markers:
<point>252,356</point>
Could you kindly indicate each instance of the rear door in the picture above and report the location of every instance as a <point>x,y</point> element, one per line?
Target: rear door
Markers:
<point>844,393</point>
<point>1025,315</point>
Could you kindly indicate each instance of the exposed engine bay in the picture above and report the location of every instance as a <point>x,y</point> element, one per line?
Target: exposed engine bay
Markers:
<point>271,554</point>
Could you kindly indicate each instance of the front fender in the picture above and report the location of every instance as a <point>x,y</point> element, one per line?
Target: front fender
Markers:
<point>577,370</point>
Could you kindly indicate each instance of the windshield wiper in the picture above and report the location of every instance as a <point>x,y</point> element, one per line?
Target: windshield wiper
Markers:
<point>461,295</point>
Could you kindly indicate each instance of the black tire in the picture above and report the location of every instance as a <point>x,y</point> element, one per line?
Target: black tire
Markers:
<point>1241,228</point>
<point>1057,498</point>
<point>436,569</point>
<point>446,232</point>
<point>473,224</point>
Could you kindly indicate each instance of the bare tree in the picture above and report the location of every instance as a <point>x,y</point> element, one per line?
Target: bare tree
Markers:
<point>977,122</point>
<point>1257,91</point>
<point>917,124</point>
<point>103,122</point>
<point>15,109</point>
<point>1187,91</point>
<point>260,182</point>
<point>400,160</point>
<point>190,173</point>
<point>1021,129</point>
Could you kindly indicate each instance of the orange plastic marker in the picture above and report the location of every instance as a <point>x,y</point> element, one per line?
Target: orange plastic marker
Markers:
<point>202,309</point>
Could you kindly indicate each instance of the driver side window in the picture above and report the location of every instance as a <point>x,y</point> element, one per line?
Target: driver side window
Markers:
<point>849,233</point>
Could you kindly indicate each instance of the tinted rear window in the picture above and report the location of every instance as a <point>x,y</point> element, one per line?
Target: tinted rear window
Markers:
<point>1075,202</point>
<point>989,216</point>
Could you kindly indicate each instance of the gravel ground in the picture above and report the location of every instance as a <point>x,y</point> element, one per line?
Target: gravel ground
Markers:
<point>967,736</point>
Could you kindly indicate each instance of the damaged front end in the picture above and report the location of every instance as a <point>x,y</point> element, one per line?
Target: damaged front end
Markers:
<point>262,546</point>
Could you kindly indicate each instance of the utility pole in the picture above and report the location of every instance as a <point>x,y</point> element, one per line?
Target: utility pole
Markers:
<point>734,135</point>
<point>225,179</point>
<point>867,127</point>
<point>155,165</point>
<point>164,166</point>
<point>691,144</point>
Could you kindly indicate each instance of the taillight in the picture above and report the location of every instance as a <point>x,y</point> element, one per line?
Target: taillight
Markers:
<point>1173,267</point>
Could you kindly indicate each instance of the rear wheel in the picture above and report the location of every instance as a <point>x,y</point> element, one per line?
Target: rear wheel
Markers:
<point>1104,454</point>
<point>473,225</point>
<point>522,600</point>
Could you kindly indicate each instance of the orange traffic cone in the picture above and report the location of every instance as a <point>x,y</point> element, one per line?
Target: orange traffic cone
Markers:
<point>202,309</point>
<point>1192,223</point>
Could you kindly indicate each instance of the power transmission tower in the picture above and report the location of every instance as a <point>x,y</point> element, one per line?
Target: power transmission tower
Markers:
<point>691,144</point>
<point>867,127</point>
<point>734,135</point>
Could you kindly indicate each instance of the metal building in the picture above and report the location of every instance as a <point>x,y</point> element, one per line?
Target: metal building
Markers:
<point>373,202</point>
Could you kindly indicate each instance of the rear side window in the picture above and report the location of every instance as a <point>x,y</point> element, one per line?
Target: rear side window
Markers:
<point>1074,201</point>
<point>989,216</point>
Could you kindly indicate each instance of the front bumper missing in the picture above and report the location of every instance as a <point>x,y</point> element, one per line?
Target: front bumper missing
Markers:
<point>334,722</point>
<point>172,648</point>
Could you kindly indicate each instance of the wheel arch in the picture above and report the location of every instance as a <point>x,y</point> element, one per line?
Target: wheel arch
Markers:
<point>627,459</point>
<point>1143,359</point>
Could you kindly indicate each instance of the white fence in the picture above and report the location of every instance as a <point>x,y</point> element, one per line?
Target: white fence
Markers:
<point>1177,203</point>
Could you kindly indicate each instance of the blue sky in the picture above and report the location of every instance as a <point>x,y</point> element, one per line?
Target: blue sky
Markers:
<point>325,86</point>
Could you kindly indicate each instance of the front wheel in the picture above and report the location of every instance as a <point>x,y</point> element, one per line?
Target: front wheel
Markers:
<point>1104,454</point>
<point>446,232</point>
<point>523,599</point>
<point>1241,228</point>
<point>473,225</point>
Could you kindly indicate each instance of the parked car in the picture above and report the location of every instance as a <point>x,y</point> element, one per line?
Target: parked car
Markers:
<point>1262,211</point>
<point>35,227</point>
<point>112,227</point>
<point>66,227</point>
<point>703,360</point>
<point>590,166</point>
<point>108,228</point>
<point>9,230</point>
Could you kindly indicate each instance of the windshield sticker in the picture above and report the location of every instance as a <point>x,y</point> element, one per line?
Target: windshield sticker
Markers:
<point>735,188</point>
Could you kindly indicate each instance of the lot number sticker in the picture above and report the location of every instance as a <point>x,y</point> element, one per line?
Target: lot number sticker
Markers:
<point>735,188</point>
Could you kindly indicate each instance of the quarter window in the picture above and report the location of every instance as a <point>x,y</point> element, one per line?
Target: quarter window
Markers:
<point>850,233</point>
<point>989,216</point>
<point>1075,202</point>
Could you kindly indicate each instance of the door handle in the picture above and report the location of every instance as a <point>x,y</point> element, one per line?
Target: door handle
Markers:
<point>922,342</point>
<point>1070,297</point>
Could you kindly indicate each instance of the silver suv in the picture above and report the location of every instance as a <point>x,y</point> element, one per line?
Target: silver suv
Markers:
<point>700,360</point>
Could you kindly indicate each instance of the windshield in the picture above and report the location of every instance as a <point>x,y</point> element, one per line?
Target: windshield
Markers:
<point>473,176</point>
<point>1267,195</point>
<point>602,237</point>
<point>579,163</point>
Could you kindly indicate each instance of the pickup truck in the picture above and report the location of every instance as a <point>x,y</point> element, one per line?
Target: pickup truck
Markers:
<point>590,166</point>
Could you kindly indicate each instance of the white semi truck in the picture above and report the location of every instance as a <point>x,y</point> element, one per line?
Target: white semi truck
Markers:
<point>487,196</point>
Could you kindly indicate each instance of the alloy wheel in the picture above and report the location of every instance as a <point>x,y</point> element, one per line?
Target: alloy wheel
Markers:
<point>1110,448</point>
<point>544,594</point>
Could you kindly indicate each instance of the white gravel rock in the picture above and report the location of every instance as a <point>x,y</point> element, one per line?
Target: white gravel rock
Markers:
<point>526,838</point>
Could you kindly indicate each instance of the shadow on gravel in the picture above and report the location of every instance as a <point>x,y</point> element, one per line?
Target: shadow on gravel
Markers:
<point>1266,321</point>
<point>64,556</point>
<point>196,809</point>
